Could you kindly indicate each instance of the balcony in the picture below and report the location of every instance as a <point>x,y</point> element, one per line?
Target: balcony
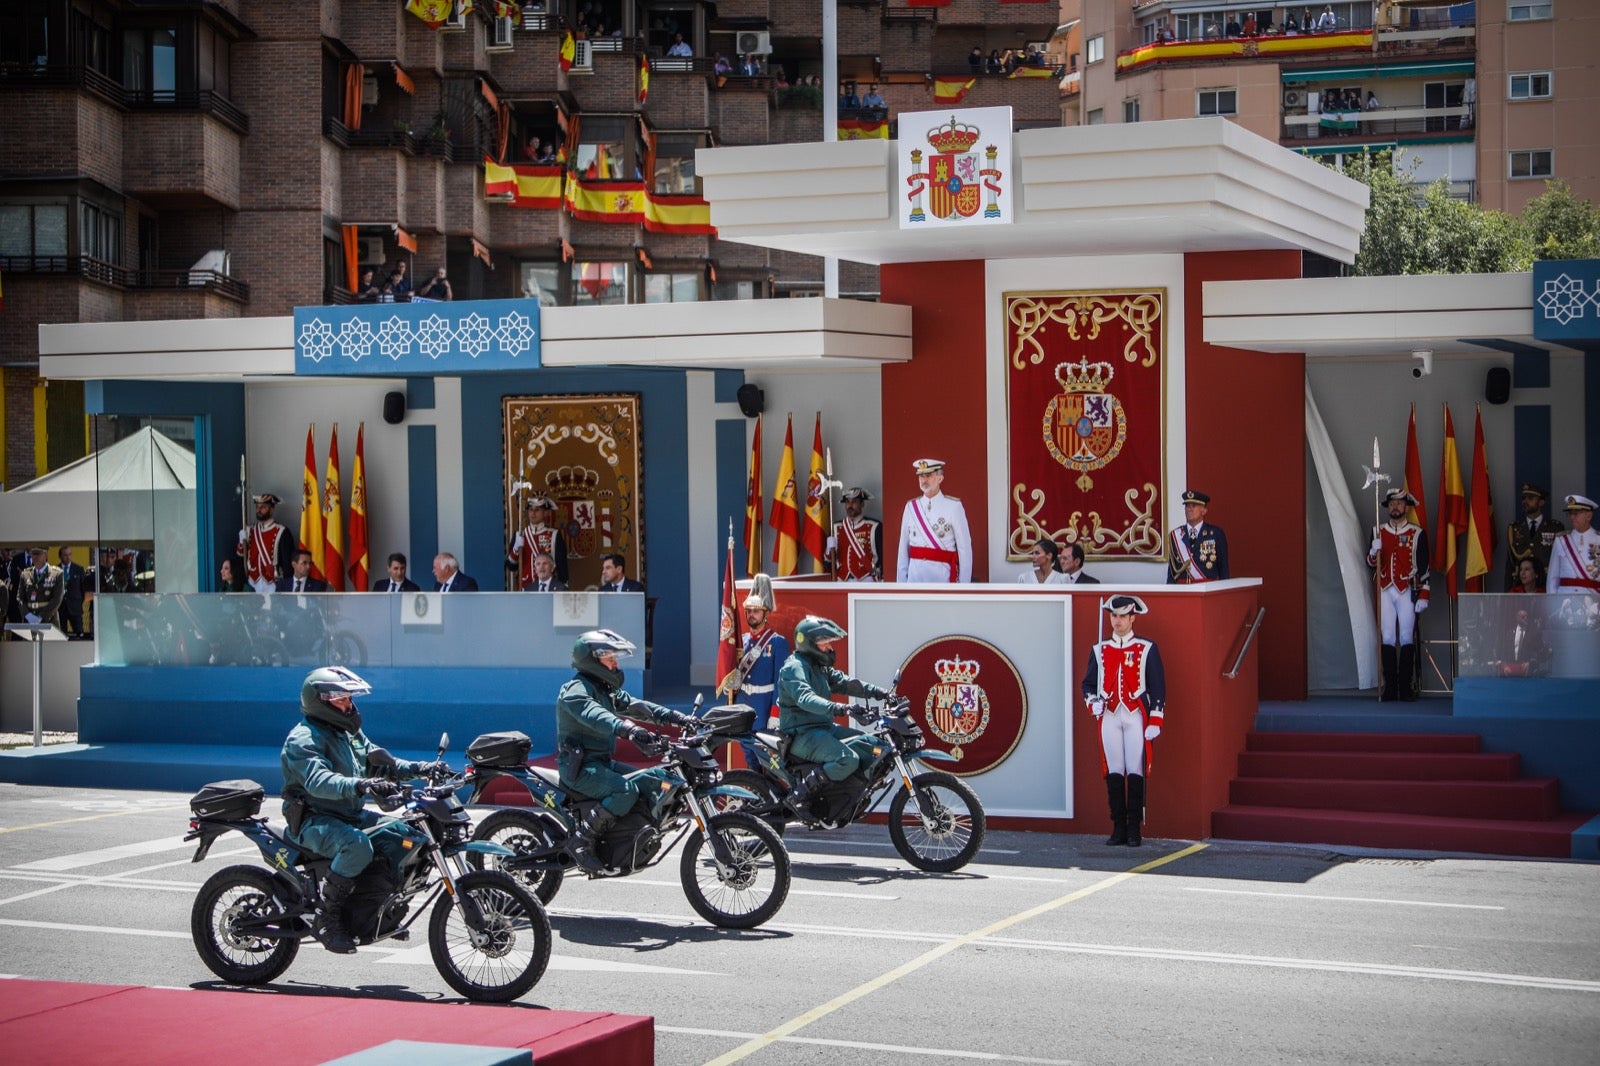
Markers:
<point>89,80</point>
<point>1387,126</point>
<point>119,277</point>
<point>1229,50</point>
<point>172,160</point>
<point>400,137</point>
<point>1423,31</point>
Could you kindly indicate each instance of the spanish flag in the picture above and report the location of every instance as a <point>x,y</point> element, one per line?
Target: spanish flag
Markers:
<point>1419,513</point>
<point>785,517</point>
<point>333,519</point>
<point>644,77</point>
<point>607,201</point>
<point>358,516</point>
<point>951,90</point>
<point>752,507</point>
<point>434,12</point>
<point>1452,506</point>
<point>523,185</point>
<point>677,213</point>
<point>506,9</point>
<point>815,533</point>
<point>857,129</point>
<point>569,49</point>
<point>1480,514</point>
<point>311,506</point>
<point>1033,72</point>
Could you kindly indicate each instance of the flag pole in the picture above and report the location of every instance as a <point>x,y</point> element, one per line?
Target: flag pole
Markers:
<point>1375,478</point>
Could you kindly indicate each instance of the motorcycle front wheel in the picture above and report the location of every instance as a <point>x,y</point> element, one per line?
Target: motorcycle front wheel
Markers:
<point>504,959</point>
<point>240,957</point>
<point>524,833</point>
<point>754,885</point>
<point>944,830</point>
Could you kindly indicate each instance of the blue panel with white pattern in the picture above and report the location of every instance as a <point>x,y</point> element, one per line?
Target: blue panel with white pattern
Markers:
<point>1566,302</point>
<point>420,337</point>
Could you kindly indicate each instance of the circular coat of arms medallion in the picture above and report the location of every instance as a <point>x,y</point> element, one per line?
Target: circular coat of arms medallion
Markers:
<point>967,696</point>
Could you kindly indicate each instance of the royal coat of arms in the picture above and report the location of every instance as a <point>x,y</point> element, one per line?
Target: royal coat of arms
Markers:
<point>957,707</point>
<point>1085,426</point>
<point>953,180</point>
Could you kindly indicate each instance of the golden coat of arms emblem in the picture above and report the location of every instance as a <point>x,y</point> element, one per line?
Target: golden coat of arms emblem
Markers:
<point>957,708</point>
<point>1085,425</point>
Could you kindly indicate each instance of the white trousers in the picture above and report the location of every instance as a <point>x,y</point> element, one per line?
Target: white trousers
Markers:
<point>1398,613</point>
<point>1122,736</point>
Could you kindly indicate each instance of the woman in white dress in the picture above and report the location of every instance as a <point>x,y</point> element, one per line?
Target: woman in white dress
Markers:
<point>1046,569</point>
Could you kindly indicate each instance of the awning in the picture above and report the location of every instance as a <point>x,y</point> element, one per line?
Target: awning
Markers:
<point>1369,70</point>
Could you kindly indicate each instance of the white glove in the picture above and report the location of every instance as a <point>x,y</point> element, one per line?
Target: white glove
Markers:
<point>1375,547</point>
<point>832,543</point>
<point>1421,605</point>
<point>32,619</point>
<point>1097,708</point>
<point>1151,732</point>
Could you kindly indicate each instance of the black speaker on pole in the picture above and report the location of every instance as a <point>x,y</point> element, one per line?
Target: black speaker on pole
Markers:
<point>751,400</point>
<point>394,407</point>
<point>1497,385</point>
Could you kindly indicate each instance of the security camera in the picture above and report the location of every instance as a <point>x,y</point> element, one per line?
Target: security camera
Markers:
<point>1424,365</point>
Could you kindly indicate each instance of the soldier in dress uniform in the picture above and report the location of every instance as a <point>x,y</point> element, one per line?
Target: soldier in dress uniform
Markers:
<point>42,589</point>
<point>267,548</point>
<point>857,544</point>
<point>539,535</point>
<point>1575,556</point>
<point>1197,550</point>
<point>1530,536</point>
<point>1125,689</point>
<point>1399,551</point>
<point>763,650</point>
<point>935,544</point>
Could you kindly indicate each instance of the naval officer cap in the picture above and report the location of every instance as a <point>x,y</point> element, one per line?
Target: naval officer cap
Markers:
<point>268,498</point>
<point>1530,489</point>
<point>928,466</point>
<point>1119,605</point>
<point>1191,496</point>
<point>857,493</point>
<point>1579,503</point>
<point>1400,494</point>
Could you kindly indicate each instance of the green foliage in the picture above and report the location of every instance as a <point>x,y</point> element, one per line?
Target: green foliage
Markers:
<point>1560,226</point>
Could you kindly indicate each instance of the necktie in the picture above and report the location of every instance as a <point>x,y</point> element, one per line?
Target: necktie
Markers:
<point>394,586</point>
<point>299,585</point>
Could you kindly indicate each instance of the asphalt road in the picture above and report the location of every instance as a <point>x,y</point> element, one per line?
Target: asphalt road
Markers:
<point>1050,949</point>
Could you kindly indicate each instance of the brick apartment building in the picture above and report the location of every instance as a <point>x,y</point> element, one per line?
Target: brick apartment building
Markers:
<point>218,158</point>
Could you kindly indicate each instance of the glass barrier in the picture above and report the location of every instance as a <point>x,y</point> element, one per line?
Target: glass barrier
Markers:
<point>359,629</point>
<point>1530,635</point>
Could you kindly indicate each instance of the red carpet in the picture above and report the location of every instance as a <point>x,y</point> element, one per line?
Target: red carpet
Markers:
<point>1411,791</point>
<point>115,1025</point>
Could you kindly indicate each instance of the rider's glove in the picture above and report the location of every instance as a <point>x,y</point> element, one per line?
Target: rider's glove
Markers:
<point>875,693</point>
<point>377,787</point>
<point>646,741</point>
<point>900,704</point>
<point>683,721</point>
<point>861,713</point>
<point>437,768</point>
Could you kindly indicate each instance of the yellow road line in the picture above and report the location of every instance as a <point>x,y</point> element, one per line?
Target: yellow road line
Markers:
<point>794,1025</point>
<point>89,818</point>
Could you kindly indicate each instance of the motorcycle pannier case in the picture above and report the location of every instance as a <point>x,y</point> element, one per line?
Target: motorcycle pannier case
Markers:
<point>500,749</point>
<point>730,720</point>
<point>228,800</point>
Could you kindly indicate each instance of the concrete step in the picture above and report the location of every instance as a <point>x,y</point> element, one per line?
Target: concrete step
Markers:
<point>1529,798</point>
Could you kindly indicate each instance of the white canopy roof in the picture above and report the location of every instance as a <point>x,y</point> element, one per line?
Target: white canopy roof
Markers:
<point>111,496</point>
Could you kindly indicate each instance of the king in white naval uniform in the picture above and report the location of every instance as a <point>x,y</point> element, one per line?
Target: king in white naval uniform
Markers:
<point>1575,555</point>
<point>935,543</point>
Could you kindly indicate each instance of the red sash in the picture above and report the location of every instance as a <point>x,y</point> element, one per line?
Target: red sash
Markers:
<point>935,554</point>
<point>1578,567</point>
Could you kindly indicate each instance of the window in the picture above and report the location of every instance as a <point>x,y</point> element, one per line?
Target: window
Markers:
<point>1530,86</point>
<point>150,62</point>
<point>1535,163</point>
<point>1097,117</point>
<point>674,169</point>
<point>1218,102</point>
<point>25,33</point>
<point>1094,50</point>
<point>743,289</point>
<point>672,287</point>
<point>1528,12</point>
<point>599,283</point>
<point>603,147</point>
<point>542,282</point>
<point>1441,95</point>
<point>29,230</point>
<point>1130,111</point>
<point>99,233</point>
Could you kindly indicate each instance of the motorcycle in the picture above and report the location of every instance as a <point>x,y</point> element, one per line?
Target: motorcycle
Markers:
<point>734,868</point>
<point>489,936</point>
<point>935,819</point>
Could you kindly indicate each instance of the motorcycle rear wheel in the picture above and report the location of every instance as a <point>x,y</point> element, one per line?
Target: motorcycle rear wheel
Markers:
<point>945,831</point>
<point>755,888</point>
<point>508,957</point>
<point>524,833</point>
<point>240,892</point>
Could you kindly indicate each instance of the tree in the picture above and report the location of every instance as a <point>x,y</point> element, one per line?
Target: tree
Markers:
<point>1560,226</point>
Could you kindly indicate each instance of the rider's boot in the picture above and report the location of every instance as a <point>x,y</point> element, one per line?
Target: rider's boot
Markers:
<point>1119,809</point>
<point>805,788</point>
<point>587,835</point>
<point>1135,809</point>
<point>331,926</point>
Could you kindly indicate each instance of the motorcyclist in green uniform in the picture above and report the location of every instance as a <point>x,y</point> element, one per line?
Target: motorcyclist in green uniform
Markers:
<point>326,775</point>
<point>805,713</point>
<point>591,711</point>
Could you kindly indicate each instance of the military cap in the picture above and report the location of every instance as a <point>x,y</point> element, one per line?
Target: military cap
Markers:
<point>268,498</point>
<point>1579,503</point>
<point>761,593</point>
<point>928,466</point>
<point>1400,494</point>
<point>1126,605</point>
<point>857,493</point>
<point>1191,496</point>
<point>1530,489</point>
<point>543,502</point>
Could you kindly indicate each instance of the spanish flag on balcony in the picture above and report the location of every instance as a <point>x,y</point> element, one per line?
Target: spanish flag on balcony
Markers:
<point>434,12</point>
<point>857,129</point>
<point>569,49</point>
<point>644,77</point>
<point>1033,72</point>
<point>523,185</point>
<point>505,9</point>
<point>675,213</point>
<point>947,90</point>
<point>605,201</point>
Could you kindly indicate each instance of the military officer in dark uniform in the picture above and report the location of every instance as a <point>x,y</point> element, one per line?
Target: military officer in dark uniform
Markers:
<point>42,590</point>
<point>1197,550</point>
<point>1532,535</point>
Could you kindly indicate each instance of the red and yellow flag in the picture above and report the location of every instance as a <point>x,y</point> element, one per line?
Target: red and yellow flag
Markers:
<point>948,90</point>
<point>605,201</point>
<point>507,9</point>
<point>523,185</point>
<point>1033,72</point>
<point>677,213</point>
<point>644,77</point>
<point>752,507</point>
<point>434,12</point>
<point>311,506</point>
<point>785,518</point>
<point>815,534</point>
<point>333,519</point>
<point>728,634</point>
<point>860,129</point>
<point>1452,506</point>
<point>1419,513</point>
<point>569,49</point>
<point>359,562</point>
<point>1480,516</point>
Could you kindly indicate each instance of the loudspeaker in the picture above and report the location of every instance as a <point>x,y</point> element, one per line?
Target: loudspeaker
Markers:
<point>394,407</point>
<point>1497,385</point>
<point>751,400</point>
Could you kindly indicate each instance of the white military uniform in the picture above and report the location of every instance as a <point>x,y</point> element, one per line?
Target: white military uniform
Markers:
<point>929,525</point>
<point>1575,563</point>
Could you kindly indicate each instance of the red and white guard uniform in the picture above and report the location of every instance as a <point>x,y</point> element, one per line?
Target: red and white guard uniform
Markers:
<point>1126,687</point>
<point>264,549</point>
<point>1401,556</point>
<point>530,541</point>
<point>859,547</point>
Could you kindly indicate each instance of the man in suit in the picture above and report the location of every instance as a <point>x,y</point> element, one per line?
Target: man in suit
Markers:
<point>447,575</point>
<point>614,575</point>
<point>397,580</point>
<point>544,575</point>
<point>300,579</point>
<point>1072,566</point>
<point>73,581</point>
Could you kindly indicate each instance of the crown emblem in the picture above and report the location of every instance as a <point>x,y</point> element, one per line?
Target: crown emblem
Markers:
<point>953,136</point>
<point>1084,376</point>
<point>957,671</point>
<point>571,482</point>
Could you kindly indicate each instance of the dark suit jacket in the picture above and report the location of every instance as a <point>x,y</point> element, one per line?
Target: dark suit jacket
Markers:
<point>1085,579</point>
<point>628,585</point>
<point>313,584</point>
<point>382,585</point>
<point>75,581</point>
<point>460,583</point>
<point>556,585</point>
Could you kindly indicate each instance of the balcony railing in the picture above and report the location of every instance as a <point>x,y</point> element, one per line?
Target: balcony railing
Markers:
<point>87,79</point>
<point>401,138</point>
<point>1381,123</point>
<point>98,270</point>
<point>1234,49</point>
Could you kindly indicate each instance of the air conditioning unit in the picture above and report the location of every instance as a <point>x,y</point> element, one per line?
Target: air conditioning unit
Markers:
<point>457,19</point>
<point>372,250</point>
<point>756,42</point>
<point>582,56</point>
<point>369,90</point>
<point>500,34</point>
<point>208,266</point>
<point>1294,97</point>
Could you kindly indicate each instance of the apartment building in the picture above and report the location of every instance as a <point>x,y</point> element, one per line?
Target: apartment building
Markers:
<point>223,158</point>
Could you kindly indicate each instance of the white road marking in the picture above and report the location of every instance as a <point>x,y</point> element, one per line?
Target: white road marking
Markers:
<point>1348,899</point>
<point>790,842</point>
<point>67,927</point>
<point>116,878</point>
<point>792,891</point>
<point>94,858</point>
<point>900,1049</point>
<point>421,955</point>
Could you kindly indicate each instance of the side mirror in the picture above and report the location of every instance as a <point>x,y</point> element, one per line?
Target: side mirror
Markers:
<point>699,699</point>
<point>379,757</point>
<point>444,743</point>
<point>895,683</point>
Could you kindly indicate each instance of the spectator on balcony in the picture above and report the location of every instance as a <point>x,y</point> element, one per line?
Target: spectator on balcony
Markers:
<point>780,80</point>
<point>547,153</point>
<point>1233,29</point>
<point>530,151</point>
<point>722,66</point>
<point>1372,100</point>
<point>751,66</point>
<point>874,99</point>
<point>1248,27</point>
<point>680,47</point>
<point>1164,34</point>
<point>436,287</point>
<point>1009,62</point>
<point>399,283</point>
<point>993,64</point>
<point>848,100</point>
<point>1291,26</point>
<point>367,288</point>
<point>975,60</point>
<point>1213,30</point>
<point>1327,22</point>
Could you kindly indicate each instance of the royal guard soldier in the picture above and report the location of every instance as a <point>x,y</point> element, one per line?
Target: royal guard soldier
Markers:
<point>42,590</point>
<point>935,542</point>
<point>539,535</point>
<point>1125,689</point>
<point>1197,550</point>
<point>1399,551</point>
<point>1575,556</point>
<point>1532,535</point>
<point>267,548</point>
<point>762,652</point>
<point>857,544</point>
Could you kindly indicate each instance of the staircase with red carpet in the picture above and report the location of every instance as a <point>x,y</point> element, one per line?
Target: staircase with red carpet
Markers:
<point>1416,791</point>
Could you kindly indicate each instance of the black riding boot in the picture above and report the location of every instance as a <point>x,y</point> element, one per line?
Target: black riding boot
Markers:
<point>1408,672</point>
<point>331,925</point>
<point>1391,673</point>
<point>1117,794</point>
<point>1135,809</point>
<point>585,838</point>
<point>805,788</point>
